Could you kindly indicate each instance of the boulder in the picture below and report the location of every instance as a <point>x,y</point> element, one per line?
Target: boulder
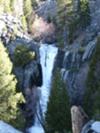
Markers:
<point>79,118</point>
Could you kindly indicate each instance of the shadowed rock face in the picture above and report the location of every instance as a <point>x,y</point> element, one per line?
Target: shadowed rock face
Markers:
<point>32,78</point>
<point>30,107</point>
<point>60,58</point>
<point>32,75</point>
<point>29,79</point>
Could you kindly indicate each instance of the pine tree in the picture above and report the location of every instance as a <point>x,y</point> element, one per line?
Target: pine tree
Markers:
<point>85,18</point>
<point>58,109</point>
<point>92,94</point>
<point>9,111</point>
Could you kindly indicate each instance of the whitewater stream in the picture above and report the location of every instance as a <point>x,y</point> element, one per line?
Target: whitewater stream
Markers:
<point>47,58</point>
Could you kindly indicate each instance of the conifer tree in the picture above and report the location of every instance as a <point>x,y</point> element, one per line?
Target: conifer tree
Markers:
<point>58,109</point>
<point>92,94</point>
<point>9,111</point>
<point>85,18</point>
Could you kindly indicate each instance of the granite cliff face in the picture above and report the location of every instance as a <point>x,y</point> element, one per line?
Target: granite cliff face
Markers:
<point>77,57</point>
<point>73,60</point>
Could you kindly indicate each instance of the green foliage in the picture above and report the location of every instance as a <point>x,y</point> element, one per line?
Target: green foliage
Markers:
<point>34,3</point>
<point>24,22</point>
<point>27,14</point>
<point>73,26</point>
<point>12,4</point>
<point>81,50</point>
<point>5,6</point>
<point>58,109</point>
<point>9,99</point>
<point>92,95</point>
<point>80,20</point>
<point>60,40</point>
<point>23,55</point>
<point>84,13</point>
<point>74,69</point>
<point>27,8</point>
<point>74,21</point>
<point>61,20</point>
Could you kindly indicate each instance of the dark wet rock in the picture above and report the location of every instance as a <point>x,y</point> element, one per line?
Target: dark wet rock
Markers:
<point>60,58</point>
<point>32,75</point>
<point>30,79</point>
<point>50,39</point>
<point>67,60</point>
<point>30,107</point>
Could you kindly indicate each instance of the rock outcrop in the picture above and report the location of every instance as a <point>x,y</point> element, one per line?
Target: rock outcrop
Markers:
<point>79,118</point>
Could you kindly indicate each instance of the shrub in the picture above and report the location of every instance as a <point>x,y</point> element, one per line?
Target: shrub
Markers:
<point>22,55</point>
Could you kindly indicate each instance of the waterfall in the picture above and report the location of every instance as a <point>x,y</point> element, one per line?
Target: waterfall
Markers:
<point>47,58</point>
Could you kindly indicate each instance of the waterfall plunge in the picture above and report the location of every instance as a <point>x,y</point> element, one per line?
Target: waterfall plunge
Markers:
<point>47,58</point>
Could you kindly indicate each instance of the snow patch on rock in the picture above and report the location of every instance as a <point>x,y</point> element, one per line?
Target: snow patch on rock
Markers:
<point>6,128</point>
<point>96,126</point>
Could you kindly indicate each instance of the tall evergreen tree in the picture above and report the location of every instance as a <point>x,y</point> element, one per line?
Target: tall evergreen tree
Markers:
<point>9,111</point>
<point>92,94</point>
<point>58,109</point>
<point>84,11</point>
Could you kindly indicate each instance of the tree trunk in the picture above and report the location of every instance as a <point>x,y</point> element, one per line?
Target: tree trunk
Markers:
<point>79,118</point>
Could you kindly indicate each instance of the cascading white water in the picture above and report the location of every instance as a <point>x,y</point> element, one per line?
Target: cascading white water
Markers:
<point>47,58</point>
